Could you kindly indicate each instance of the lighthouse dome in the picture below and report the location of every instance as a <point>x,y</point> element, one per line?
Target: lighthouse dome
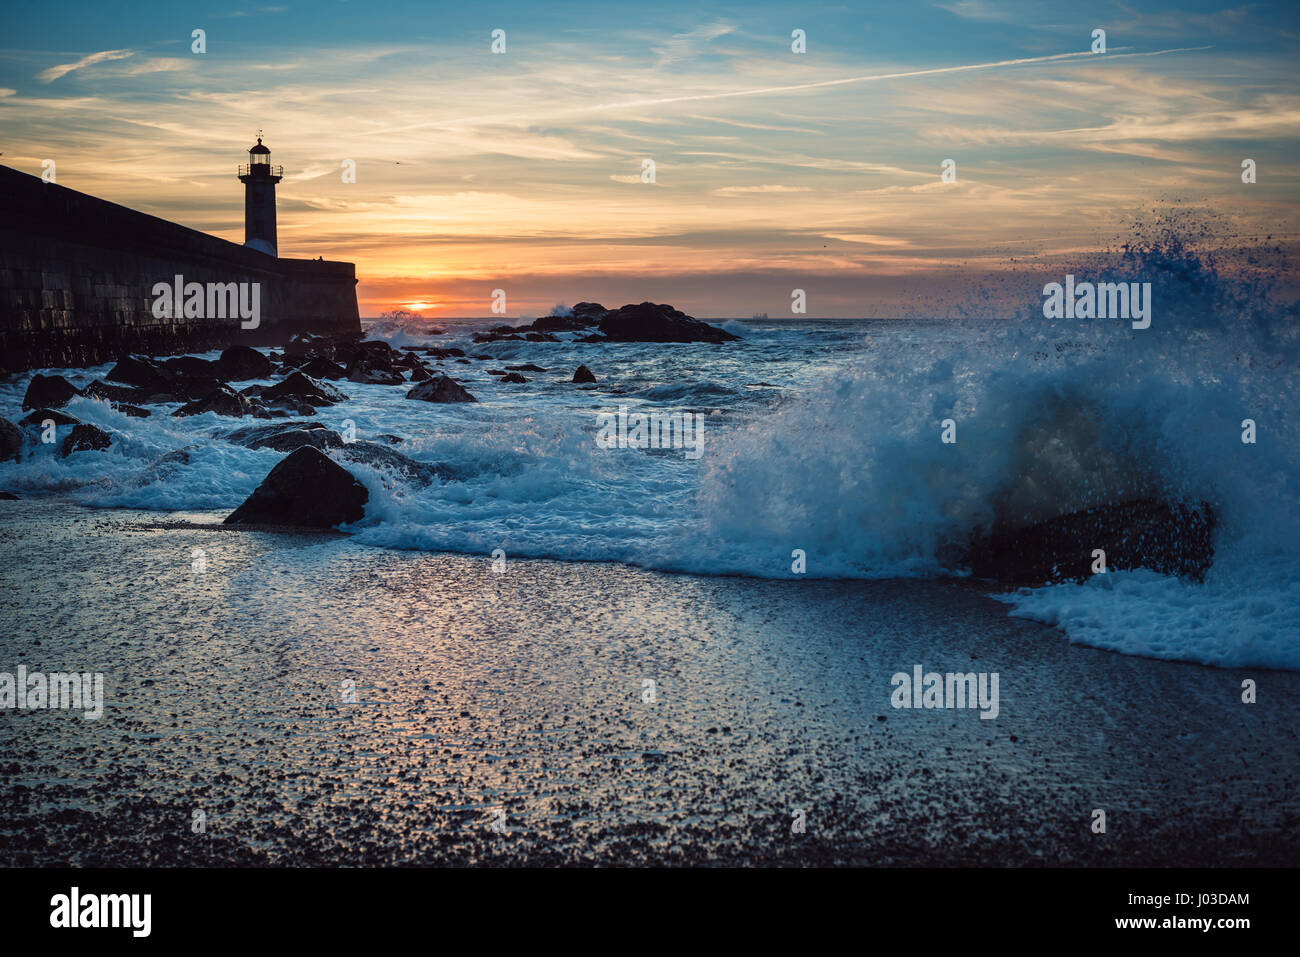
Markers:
<point>259,148</point>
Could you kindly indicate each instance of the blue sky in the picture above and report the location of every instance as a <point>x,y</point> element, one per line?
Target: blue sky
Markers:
<point>773,170</point>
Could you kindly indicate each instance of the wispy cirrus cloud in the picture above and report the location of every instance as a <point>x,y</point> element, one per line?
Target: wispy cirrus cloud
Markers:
<point>63,69</point>
<point>682,46</point>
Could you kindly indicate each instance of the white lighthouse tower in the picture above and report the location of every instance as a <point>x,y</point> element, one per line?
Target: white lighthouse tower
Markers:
<point>259,178</point>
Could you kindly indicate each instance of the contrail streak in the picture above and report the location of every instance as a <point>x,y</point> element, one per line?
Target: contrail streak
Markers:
<point>793,88</point>
<point>881,76</point>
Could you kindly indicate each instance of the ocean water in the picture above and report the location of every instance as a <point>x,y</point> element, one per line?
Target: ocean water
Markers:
<point>823,436</point>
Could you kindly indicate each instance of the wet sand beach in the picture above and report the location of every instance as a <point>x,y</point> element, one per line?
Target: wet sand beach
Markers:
<point>525,692</point>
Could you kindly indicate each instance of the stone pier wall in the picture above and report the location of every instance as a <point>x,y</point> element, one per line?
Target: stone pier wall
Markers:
<point>77,276</point>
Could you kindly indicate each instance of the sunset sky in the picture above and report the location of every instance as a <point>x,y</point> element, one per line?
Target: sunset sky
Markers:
<point>774,170</point>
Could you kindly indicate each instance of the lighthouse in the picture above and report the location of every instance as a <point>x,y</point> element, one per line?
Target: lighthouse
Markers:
<point>259,178</point>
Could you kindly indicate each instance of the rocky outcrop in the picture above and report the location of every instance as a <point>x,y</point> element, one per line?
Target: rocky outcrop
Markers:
<point>558,324</point>
<point>440,389</point>
<point>372,371</point>
<point>582,316</point>
<point>322,368</point>
<point>513,377</point>
<point>583,375</point>
<point>142,379</point>
<point>657,322</point>
<point>99,389</point>
<point>1173,539</point>
<point>48,391</point>
<point>286,436</point>
<point>299,386</point>
<point>141,372</point>
<point>83,438</point>
<point>187,367</point>
<point>306,488</point>
<point>588,312</point>
<point>223,401</point>
<point>243,362</point>
<point>307,346</point>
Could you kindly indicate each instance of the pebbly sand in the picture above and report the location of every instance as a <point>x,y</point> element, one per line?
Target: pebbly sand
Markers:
<point>522,692</point>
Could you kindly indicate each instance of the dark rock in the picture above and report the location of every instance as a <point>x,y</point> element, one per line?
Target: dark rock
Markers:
<point>540,337</point>
<point>562,323</point>
<point>48,392</point>
<point>243,362</point>
<point>503,330</point>
<point>658,322</point>
<point>1172,539</point>
<point>450,353</point>
<point>40,415</point>
<point>497,337</point>
<point>141,372</point>
<point>304,387</point>
<point>8,496</point>
<point>134,411</point>
<point>223,401</point>
<point>592,338</point>
<point>463,362</point>
<point>99,389</point>
<point>497,372</point>
<point>11,440</point>
<point>583,374</point>
<point>291,405</point>
<point>196,387</point>
<point>308,346</point>
<point>525,368</point>
<point>191,367</point>
<point>440,389</point>
<point>513,377</point>
<point>306,488</point>
<point>347,349</point>
<point>286,436</point>
<point>84,437</point>
<point>373,372</point>
<point>254,391</point>
<point>420,373</point>
<point>320,368</point>
<point>390,439</point>
<point>483,358</point>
